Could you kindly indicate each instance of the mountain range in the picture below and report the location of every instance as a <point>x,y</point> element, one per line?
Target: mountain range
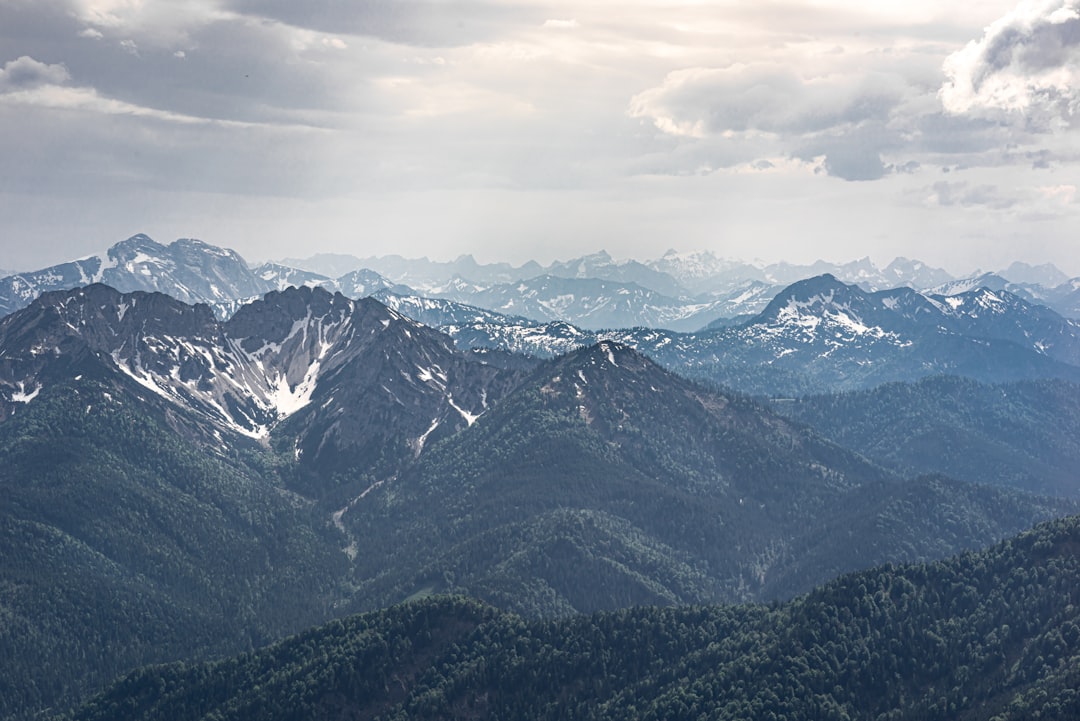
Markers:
<point>816,335</point>
<point>679,291</point>
<point>340,455</point>
<point>184,483</point>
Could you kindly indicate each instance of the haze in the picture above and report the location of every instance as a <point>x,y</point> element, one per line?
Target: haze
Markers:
<point>544,130</point>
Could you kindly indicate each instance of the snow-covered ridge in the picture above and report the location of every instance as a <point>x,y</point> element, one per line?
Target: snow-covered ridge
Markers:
<point>245,375</point>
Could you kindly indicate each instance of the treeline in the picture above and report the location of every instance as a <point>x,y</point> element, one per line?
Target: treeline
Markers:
<point>986,635</point>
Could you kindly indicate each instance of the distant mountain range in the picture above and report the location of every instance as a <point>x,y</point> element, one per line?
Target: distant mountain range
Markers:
<point>679,292</point>
<point>816,335</point>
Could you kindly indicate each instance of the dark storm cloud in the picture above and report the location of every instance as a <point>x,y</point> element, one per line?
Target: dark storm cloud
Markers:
<point>426,23</point>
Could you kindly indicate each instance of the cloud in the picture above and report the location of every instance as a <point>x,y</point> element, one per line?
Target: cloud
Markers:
<point>1027,64</point>
<point>29,82</point>
<point>768,98</point>
<point>25,73</point>
<point>839,120</point>
<point>424,23</point>
<point>964,195</point>
<point>561,24</point>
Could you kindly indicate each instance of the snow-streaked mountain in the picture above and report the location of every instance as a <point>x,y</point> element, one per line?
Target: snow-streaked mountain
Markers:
<point>1066,299</point>
<point>840,336</point>
<point>330,265</point>
<point>821,334</point>
<point>280,277</point>
<point>602,266</point>
<point>188,270</point>
<point>1063,298</point>
<point>426,275</point>
<point>364,282</point>
<point>591,303</point>
<point>993,281</point>
<point>704,272</point>
<point>911,273</point>
<point>355,361</point>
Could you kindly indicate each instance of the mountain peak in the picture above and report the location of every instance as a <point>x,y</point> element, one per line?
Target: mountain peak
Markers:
<point>132,246</point>
<point>1046,274</point>
<point>610,354</point>
<point>607,364</point>
<point>811,295</point>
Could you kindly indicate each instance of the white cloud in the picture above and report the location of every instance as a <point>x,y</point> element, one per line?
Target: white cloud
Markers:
<point>91,33</point>
<point>26,72</point>
<point>843,119</point>
<point>89,100</point>
<point>966,195</point>
<point>765,97</point>
<point>153,23</point>
<point>1026,64</point>
<point>561,24</point>
<point>1065,194</point>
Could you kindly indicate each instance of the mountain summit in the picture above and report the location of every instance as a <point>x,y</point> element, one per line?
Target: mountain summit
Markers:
<point>188,270</point>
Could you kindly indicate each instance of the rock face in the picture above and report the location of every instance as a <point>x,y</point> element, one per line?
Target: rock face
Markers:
<point>383,385</point>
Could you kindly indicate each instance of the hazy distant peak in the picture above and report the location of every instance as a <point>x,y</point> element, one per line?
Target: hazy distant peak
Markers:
<point>1046,274</point>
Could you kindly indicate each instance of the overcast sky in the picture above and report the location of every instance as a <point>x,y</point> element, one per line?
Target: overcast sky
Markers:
<point>512,130</point>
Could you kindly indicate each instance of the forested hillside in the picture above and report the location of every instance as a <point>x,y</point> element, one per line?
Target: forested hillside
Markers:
<point>122,544</point>
<point>604,481</point>
<point>987,635</point>
<point>1024,435</point>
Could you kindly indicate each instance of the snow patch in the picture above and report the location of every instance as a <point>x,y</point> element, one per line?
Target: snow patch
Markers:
<point>610,355</point>
<point>287,401</point>
<point>21,396</point>
<point>470,418</point>
<point>418,446</point>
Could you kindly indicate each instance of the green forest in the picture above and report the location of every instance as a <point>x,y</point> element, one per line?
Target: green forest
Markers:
<point>990,635</point>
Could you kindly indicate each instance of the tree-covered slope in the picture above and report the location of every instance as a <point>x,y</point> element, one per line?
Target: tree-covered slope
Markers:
<point>123,543</point>
<point>1024,435</point>
<point>604,481</point>
<point>986,635</point>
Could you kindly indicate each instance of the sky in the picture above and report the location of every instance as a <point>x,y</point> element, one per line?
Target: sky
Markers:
<point>756,129</point>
